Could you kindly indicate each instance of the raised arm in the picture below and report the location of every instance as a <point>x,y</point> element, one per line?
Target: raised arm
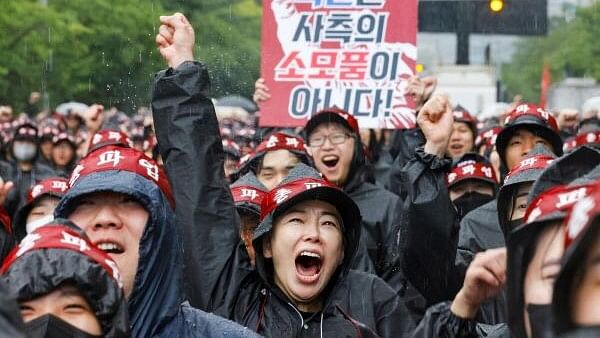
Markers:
<point>190,144</point>
<point>430,233</point>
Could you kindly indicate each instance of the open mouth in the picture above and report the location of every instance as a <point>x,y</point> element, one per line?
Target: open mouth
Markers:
<point>330,161</point>
<point>456,146</point>
<point>110,247</point>
<point>308,266</point>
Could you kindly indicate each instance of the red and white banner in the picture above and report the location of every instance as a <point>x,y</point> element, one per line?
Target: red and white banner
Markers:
<point>354,54</point>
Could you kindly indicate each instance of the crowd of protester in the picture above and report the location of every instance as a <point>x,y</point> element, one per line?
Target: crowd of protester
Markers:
<point>182,221</point>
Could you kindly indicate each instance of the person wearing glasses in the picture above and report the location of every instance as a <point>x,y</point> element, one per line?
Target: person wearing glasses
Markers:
<point>334,143</point>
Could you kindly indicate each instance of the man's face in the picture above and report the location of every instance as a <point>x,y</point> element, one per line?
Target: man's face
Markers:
<point>249,224</point>
<point>66,303</point>
<point>586,311</point>
<point>332,160</point>
<point>62,154</point>
<point>115,223</point>
<point>543,267</point>
<point>520,144</point>
<point>461,140</point>
<point>275,167</point>
<point>306,246</point>
<point>519,204</point>
<point>470,186</point>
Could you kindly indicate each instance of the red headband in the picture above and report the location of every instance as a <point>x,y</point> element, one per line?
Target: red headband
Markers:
<point>528,163</point>
<point>62,237</point>
<point>53,186</point>
<point>286,191</point>
<point>127,159</point>
<point>279,141</point>
<point>471,169</point>
<point>108,137</point>
<point>583,139</point>
<point>580,216</point>
<point>246,193</point>
<point>528,109</point>
<point>559,198</point>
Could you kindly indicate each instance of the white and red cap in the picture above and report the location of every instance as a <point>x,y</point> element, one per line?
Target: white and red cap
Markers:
<point>59,236</point>
<point>108,137</point>
<point>471,166</point>
<point>113,157</point>
<point>591,137</point>
<point>332,115</point>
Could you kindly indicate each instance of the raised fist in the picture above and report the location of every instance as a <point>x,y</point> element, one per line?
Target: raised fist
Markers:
<point>261,91</point>
<point>485,277</point>
<point>435,120</point>
<point>93,117</point>
<point>420,89</point>
<point>175,39</point>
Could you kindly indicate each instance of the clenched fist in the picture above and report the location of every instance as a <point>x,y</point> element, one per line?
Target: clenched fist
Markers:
<point>485,277</point>
<point>175,39</point>
<point>435,120</point>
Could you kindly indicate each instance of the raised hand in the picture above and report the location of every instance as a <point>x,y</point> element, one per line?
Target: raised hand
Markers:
<point>435,120</point>
<point>175,39</point>
<point>5,188</point>
<point>485,277</point>
<point>421,89</point>
<point>93,117</point>
<point>261,91</point>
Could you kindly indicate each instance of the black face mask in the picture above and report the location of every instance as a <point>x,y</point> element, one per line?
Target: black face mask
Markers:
<point>470,201</point>
<point>540,319</point>
<point>50,326</point>
<point>512,225</point>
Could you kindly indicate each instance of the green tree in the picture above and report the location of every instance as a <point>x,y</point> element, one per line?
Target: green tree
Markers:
<point>228,40</point>
<point>570,49</point>
<point>91,51</point>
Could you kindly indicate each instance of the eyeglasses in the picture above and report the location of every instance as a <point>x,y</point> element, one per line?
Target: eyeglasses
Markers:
<point>337,138</point>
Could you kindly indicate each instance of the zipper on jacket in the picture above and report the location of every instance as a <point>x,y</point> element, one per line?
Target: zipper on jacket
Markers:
<point>299,315</point>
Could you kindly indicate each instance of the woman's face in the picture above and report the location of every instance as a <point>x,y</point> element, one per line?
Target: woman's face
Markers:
<point>586,294</point>
<point>62,154</point>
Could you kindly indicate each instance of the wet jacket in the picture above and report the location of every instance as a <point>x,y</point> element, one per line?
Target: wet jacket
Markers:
<point>190,144</point>
<point>433,259</point>
<point>10,319</point>
<point>428,248</point>
<point>440,322</point>
<point>156,305</point>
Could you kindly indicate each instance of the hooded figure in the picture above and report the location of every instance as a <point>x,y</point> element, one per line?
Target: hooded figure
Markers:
<point>155,303</point>
<point>25,171</point>
<point>351,300</point>
<point>532,259</point>
<point>43,197</point>
<point>512,198</point>
<point>526,126</point>
<point>274,157</point>
<point>60,254</point>
<point>576,295</point>
<point>471,183</point>
<point>347,166</point>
